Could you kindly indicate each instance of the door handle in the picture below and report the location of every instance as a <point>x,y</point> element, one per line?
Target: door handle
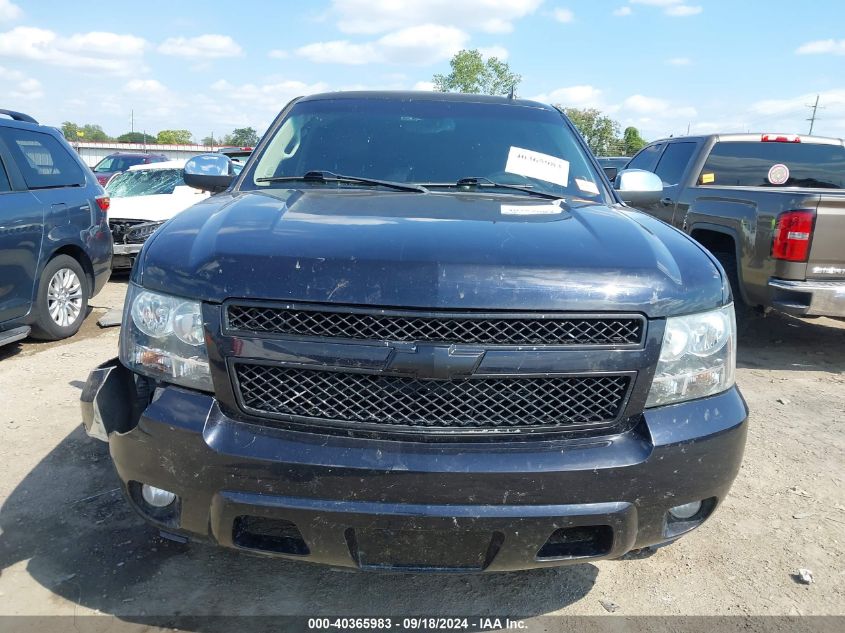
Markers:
<point>666,202</point>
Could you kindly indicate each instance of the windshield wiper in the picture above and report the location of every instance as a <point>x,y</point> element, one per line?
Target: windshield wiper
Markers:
<point>481,181</point>
<point>328,176</point>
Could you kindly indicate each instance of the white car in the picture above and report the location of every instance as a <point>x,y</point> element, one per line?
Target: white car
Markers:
<point>142,198</point>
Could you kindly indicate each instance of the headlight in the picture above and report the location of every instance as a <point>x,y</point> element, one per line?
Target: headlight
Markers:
<point>697,358</point>
<point>163,337</point>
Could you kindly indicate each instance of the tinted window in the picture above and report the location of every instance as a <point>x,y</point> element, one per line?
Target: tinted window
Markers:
<point>430,141</point>
<point>121,163</point>
<point>145,182</point>
<point>647,158</point>
<point>674,162</point>
<point>43,160</point>
<point>747,164</point>
<point>4,179</point>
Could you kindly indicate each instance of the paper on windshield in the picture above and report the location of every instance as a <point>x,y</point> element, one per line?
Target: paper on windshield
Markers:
<point>532,209</point>
<point>525,162</point>
<point>587,186</point>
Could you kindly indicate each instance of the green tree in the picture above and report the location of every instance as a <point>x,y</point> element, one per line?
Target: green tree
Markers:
<point>632,142</point>
<point>94,133</point>
<point>471,73</point>
<point>174,137</point>
<point>136,137</point>
<point>87,132</point>
<point>210,141</point>
<point>70,130</point>
<point>242,137</point>
<point>600,131</point>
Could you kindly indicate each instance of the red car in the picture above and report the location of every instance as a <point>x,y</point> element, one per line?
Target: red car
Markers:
<point>121,161</point>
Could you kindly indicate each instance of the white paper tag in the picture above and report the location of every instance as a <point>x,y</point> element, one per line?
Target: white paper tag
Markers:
<point>531,209</point>
<point>524,162</point>
<point>587,186</point>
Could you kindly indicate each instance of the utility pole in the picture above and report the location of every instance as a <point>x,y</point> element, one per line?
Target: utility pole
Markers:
<point>132,120</point>
<point>812,119</point>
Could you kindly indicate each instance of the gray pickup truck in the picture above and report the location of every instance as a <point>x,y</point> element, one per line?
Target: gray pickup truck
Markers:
<point>770,207</point>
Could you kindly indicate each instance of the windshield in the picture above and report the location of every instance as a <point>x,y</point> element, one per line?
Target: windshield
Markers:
<point>428,142</point>
<point>145,182</point>
<point>117,163</point>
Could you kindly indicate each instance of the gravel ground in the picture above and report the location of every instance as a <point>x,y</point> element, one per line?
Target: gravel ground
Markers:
<point>71,545</point>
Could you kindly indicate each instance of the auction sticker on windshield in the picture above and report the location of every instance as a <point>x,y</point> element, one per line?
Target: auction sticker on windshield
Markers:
<point>525,162</point>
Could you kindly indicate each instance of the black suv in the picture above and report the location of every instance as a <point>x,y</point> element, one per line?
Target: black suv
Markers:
<point>55,244</point>
<point>420,331</point>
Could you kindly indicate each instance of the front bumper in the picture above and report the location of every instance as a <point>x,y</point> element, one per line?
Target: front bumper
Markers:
<point>445,506</point>
<point>808,298</point>
<point>125,254</point>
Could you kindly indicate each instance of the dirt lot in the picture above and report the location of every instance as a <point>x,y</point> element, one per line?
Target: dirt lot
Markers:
<point>70,545</point>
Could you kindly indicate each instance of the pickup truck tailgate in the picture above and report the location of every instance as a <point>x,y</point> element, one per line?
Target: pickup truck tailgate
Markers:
<point>827,250</point>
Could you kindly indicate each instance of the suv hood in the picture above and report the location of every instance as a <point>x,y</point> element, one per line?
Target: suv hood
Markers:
<point>438,250</point>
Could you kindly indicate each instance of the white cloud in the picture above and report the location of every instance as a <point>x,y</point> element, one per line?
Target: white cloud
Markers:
<point>563,15</point>
<point>145,87</point>
<point>683,10</point>
<point>835,47</point>
<point>673,8</point>
<point>16,85</point>
<point>499,52</point>
<point>277,53</point>
<point>424,85</point>
<point>97,50</point>
<point>654,107</point>
<point>270,97</point>
<point>380,16</point>
<point>339,52</point>
<point>583,96</point>
<point>679,61</point>
<point>9,11</point>
<point>208,46</point>
<point>621,12</point>
<point>419,45</point>
<point>832,100</point>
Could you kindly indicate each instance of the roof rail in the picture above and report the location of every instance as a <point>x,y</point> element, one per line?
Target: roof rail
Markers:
<point>18,116</point>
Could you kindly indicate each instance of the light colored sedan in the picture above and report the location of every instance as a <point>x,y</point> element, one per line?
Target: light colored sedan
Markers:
<point>142,199</point>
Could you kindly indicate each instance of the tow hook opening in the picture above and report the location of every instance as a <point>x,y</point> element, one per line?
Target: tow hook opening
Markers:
<point>267,534</point>
<point>584,541</point>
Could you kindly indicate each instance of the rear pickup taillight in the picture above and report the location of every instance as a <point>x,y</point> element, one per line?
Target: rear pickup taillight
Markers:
<point>792,236</point>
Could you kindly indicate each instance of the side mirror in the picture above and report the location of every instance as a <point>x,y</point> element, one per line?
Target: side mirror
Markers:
<point>638,187</point>
<point>209,172</point>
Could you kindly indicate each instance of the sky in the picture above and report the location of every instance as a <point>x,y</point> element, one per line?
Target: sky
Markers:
<point>663,66</point>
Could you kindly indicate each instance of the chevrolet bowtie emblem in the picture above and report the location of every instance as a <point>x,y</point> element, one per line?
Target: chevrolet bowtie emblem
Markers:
<point>436,362</point>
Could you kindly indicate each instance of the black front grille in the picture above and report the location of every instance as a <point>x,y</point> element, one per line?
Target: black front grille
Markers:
<point>468,329</point>
<point>471,403</point>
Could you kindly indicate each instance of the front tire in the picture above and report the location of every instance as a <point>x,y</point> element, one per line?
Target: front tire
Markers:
<point>62,301</point>
<point>744,312</point>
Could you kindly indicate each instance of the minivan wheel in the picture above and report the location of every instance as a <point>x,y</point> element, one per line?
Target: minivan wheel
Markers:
<point>62,300</point>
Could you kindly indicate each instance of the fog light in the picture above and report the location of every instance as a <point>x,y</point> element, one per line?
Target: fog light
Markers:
<point>157,497</point>
<point>686,511</point>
